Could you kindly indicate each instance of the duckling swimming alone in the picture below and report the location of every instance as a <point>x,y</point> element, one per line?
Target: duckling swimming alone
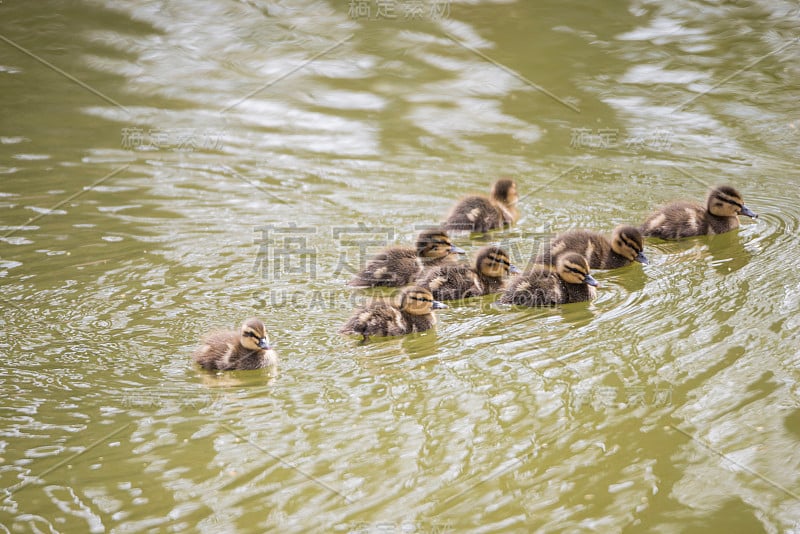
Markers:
<point>413,313</point>
<point>680,219</point>
<point>478,213</point>
<point>459,281</point>
<point>540,286</point>
<point>624,247</point>
<point>228,350</point>
<point>399,266</point>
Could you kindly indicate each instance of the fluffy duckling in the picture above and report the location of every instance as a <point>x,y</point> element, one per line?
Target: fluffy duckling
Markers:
<point>480,214</point>
<point>624,247</point>
<point>541,286</point>
<point>680,219</point>
<point>459,281</point>
<point>399,266</point>
<point>249,348</point>
<point>412,313</point>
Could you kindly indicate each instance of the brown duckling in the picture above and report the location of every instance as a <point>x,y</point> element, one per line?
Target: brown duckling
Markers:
<point>228,350</point>
<point>624,247</point>
<point>412,313</point>
<point>459,281</point>
<point>478,213</point>
<point>399,266</point>
<point>680,219</point>
<point>541,286</point>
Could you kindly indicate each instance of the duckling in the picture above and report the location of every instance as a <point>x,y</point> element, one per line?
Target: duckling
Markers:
<point>624,247</point>
<point>541,286</point>
<point>399,266</point>
<point>412,313</point>
<point>459,281</point>
<point>478,213</point>
<point>680,219</point>
<point>228,350</point>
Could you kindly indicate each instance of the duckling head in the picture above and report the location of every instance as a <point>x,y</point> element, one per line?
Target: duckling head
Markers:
<point>435,244</point>
<point>574,269</point>
<point>725,201</point>
<point>505,192</point>
<point>254,335</point>
<point>627,241</point>
<point>419,301</point>
<point>494,262</point>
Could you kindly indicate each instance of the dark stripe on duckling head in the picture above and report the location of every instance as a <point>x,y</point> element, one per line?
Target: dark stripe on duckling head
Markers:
<point>430,240</point>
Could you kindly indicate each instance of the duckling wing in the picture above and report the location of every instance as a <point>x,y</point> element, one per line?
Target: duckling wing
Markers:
<point>534,289</point>
<point>474,214</point>
<point>377,319</point>
<point>676,220</point>
<point>451,282</point>
<point>394,267</point>
<point>593,246</point>
<point>215,350</point>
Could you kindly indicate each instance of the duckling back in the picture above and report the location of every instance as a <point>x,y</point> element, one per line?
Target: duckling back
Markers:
<point>230,350</point>
<point>547,285</point>
<point>593,246</point>
<point>393,267</point>
<point>481,214</point>
<point>377,319</point>
<point>452,282</point>
<point>681,219</point>
<point>413,313</point>
<point>474,214</point>
<point>399,266</point>
<point>624,247</point>
<point>536,287</point>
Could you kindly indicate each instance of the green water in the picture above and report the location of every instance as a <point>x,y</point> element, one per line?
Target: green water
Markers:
<point>168,168</point>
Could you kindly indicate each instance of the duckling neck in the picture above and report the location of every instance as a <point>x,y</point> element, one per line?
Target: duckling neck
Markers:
<point>419,323</point>
<point>720,224</point>
<point>491,284</point>
<point>576,292</point>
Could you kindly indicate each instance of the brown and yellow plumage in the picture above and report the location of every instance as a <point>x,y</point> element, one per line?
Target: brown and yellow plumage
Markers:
<point>480,214</point>
<point>399,266</point>
<point>542,285</point>
<point>249,348</point>
<point>412,312</point>
<point>680,219</point>
<point>624,247</point>
<point>459,281</point>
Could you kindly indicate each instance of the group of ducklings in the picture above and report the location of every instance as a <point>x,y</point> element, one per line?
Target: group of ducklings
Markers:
<point>430,273</point>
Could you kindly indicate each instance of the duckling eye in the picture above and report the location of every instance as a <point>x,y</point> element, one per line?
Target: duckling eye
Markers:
<point>249,334</point>
<point>421,299</point>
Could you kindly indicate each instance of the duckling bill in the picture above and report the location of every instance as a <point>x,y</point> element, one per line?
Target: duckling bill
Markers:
<point>412,313</point>
<point>249,348</point>
<point>681,219</point>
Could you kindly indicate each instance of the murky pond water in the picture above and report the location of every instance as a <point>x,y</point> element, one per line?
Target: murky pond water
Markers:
<point>168,168</point>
